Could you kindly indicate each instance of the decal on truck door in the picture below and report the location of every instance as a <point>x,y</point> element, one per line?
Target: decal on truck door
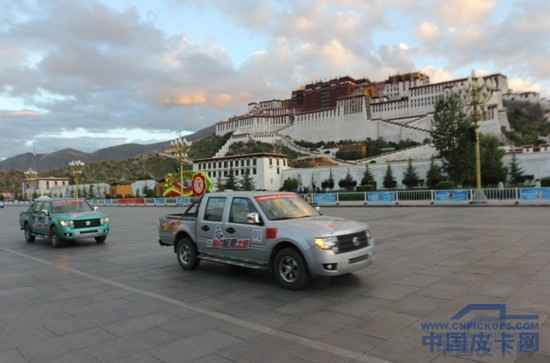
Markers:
<point>220,242</point>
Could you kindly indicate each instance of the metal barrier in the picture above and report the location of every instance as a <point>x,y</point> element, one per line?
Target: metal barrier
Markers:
<point>492,196</point>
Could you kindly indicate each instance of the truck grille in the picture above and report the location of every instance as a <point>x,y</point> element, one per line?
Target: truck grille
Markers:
<point>346,241</point>
<point>83,223</point>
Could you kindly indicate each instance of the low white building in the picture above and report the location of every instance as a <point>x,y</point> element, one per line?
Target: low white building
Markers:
<point>265,168</point>
<point>140,186</point>
<point>60,188</point>
<point>38,186</point>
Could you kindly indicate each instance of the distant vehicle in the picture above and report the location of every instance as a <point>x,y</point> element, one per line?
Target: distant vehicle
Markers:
<point>273,231</point>
<point>62,220</point>
<point>2,205</point>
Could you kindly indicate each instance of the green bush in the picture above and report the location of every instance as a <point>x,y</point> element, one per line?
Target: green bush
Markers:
<point>366,188</point>
<point>545,182</point>
<point>446,184</point>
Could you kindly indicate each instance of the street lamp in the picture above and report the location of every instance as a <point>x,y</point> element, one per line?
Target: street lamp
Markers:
<point>77,168</point>
<point>29,174</point>
<point>181,147</point>
<point>477,96</point>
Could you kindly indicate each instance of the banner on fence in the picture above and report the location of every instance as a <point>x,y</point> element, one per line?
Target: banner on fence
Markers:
<point>131,201</point>
<point>160,201</point>
<point>451,196</point>
<point>384,197</point>
<point>183,201</point>
<point>325,198</point>
<point>534,194</point>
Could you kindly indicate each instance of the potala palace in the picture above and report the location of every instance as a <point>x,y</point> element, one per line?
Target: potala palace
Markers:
<point>398,108</point>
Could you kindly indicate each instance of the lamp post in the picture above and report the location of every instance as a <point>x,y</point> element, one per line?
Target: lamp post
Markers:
<point>181,147</point>
<point>29,174</point>
<point>77,168</point>
<point>477,96</point>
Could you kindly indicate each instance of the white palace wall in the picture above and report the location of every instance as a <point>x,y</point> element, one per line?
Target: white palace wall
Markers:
<point>535,164</point>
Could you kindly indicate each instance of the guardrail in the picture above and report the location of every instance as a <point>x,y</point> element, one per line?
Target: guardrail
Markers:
<point>491,196</point>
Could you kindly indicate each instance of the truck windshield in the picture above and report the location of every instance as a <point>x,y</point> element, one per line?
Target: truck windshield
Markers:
<point>285,206</point>
<point>71,206</point>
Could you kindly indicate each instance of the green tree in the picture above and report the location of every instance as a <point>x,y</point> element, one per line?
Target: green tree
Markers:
<point>290,185</point>
<point>328,183</point>
<point>368,178</point>
<point>313,185</point>
<point>247,182</point>
<point>492,167</point>
<point>220,185</point>
<point>516,173</point>
<point>231,182</point>
<point>433,176</point>
<point>528,122</point>
<point>389,180</point>
<point>410,178</point>
<point>348,183</point>
<point>453,139</point>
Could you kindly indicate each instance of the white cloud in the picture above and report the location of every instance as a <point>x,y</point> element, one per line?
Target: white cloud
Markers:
<point>135,135</point>
<point>427,31</point>
<point>437,74</point>
<point>464,11</point>
<point>523,85</point>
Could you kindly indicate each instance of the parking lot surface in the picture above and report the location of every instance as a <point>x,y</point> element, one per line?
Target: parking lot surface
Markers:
<point>129,301</point>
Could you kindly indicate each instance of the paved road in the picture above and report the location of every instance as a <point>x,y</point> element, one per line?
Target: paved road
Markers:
<point>129,301</point>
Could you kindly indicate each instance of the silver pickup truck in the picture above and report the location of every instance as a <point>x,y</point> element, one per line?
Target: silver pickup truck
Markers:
<point>274,231</point>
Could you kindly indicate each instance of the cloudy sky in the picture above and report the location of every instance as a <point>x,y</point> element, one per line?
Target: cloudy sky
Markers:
<point>89,74</point>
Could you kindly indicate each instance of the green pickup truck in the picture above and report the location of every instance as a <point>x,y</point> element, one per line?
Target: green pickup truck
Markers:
<point>62,220</point>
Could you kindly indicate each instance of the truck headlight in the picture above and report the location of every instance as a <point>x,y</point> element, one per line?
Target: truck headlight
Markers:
<point>66,223</point>
<point>326,243</point>
<point>105,220</point>
<point>369,235</point>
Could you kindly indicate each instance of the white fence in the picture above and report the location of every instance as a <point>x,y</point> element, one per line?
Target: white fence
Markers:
<point>489,196</point>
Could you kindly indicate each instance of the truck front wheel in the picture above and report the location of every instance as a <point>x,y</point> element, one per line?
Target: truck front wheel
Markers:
<point>290,269</point>
<point>187,254</point>
<point>53,238</point>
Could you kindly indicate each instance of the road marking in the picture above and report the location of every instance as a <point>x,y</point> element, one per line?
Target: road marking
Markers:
<point>344,353</point>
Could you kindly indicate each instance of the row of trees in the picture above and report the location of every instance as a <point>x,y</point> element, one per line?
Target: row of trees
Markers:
<point>454,139</point>
<point>435,179</point>
<point>246,182</point>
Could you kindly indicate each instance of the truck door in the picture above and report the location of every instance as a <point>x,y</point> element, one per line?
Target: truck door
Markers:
<point>36,218</point>
<point>210,226</point>
<point>244,237</point>
<point>42,218</point>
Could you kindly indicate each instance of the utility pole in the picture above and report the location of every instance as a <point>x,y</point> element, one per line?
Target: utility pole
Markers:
<point>477,96</point>
<point>181,147</point>
<point>77,168</point>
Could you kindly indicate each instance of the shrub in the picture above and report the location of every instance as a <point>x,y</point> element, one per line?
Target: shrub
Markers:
<point>366,188</point>
<point>446,184</point>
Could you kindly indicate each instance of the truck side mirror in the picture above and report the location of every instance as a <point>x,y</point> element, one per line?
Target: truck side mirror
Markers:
<point>253,218</point>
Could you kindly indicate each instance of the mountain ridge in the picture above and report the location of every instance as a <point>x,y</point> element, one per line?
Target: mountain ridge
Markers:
<point>60,158</point>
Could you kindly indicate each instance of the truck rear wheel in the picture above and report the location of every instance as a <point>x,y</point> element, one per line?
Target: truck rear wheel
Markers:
<point>290,269</point>
<point>187,254</point>
<point>29,236</point>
